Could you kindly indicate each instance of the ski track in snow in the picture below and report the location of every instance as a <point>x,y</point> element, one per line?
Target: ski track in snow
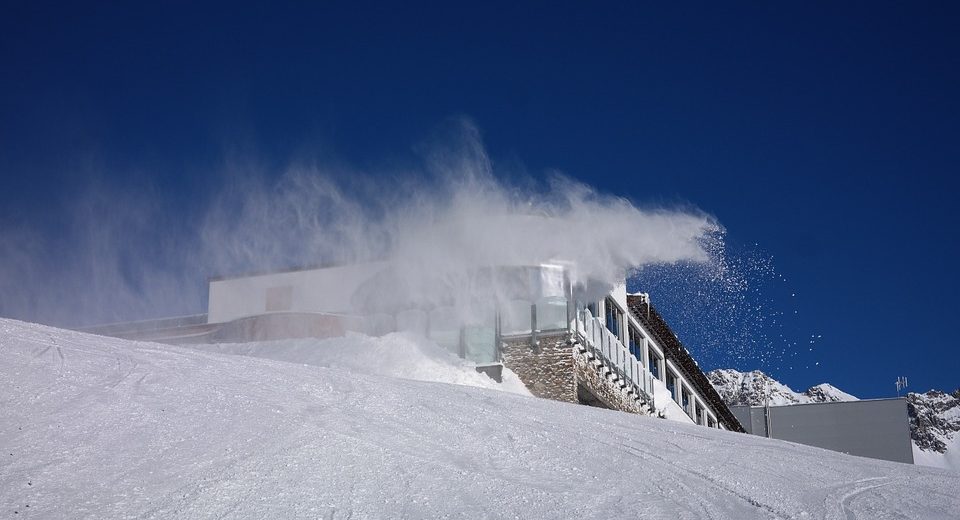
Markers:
<point>94,427</point>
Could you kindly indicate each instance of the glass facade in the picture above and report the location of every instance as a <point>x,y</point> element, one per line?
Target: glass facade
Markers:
<point>552,314</point>
<point>476,341</point>
<point>445,328</point>
<point>480,344</point>
<point>534,303</point>
<point>516,317</point>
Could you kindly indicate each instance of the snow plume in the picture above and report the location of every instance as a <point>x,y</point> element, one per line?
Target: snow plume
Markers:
<point>735,309</point>
<point>101,253</point>
<point>129,255</point>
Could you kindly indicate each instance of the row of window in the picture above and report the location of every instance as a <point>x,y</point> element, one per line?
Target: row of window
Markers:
<point>615,319</point>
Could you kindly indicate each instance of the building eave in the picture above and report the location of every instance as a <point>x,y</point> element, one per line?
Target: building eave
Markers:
<point>654,323</point>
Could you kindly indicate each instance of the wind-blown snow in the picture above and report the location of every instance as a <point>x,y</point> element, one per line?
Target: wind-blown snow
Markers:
<point>94,427</point>
<point>399,354</point>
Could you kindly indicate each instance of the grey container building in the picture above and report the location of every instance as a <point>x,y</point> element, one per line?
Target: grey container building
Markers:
<point>875,428</point>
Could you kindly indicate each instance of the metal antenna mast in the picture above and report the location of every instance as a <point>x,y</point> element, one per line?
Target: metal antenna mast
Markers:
<point>901,384</point>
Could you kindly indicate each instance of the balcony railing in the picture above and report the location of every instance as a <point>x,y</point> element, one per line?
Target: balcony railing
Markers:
<point>614,357</point>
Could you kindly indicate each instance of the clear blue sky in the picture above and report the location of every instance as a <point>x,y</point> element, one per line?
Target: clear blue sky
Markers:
<point>828,133</point>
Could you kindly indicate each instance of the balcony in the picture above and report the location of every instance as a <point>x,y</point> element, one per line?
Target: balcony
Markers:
<point>610,356</point>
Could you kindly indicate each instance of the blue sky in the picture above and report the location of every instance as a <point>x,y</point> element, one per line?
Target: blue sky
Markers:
<point>825,135</point>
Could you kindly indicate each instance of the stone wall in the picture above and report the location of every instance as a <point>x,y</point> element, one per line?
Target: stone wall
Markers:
<point>598,383</point>
<point>555,369</point>
<point>546,368</point>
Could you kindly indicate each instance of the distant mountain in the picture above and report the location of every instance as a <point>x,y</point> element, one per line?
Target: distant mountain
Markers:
<point>934,415</point>
<point>751,388</point>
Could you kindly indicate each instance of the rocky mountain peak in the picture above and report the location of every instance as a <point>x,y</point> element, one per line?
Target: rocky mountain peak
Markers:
<point>752,388</point>
<point>935,419</point>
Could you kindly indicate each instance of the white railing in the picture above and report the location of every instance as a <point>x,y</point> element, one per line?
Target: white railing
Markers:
<point>615,356</point>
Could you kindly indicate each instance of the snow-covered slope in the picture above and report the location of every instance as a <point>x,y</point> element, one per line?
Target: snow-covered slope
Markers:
<point>749,388</point>
<point>935,428</point>
<point>94,427</point>
<point>397,354</point>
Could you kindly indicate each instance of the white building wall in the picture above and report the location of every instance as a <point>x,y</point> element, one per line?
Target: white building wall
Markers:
<point>327,290</point>
<point>665,403</point>
<point>673,409</point>
<point>331,290</point>
<point>619,295</point>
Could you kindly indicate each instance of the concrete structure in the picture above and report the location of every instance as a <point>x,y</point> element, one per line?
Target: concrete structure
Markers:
<point>581,343</point>
<point>876,428</point>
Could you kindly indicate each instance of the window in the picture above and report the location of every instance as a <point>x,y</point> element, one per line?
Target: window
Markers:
<point>685,401</point>
<point>515,317</point>
<point>552,313</point>
<point>592,307</point>
<point>711,423</point>
<point>699,414</point>
<point>654,362</point>
<point>672,385</point>
<point>614,316</point>
<point>636,344</point>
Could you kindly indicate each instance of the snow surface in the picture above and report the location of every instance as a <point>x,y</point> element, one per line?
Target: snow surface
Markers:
<point>826,393</point>
<point>94,427</point>
<point>949,459</point>
<point>399,354</point>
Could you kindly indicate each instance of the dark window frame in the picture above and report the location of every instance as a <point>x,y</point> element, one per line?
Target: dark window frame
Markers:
<point>613,316</point>
<point>653,362</point>
<point>635,342</point>
<point>672,383</point>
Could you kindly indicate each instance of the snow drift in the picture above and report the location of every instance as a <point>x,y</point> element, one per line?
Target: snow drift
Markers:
<point>399,354</point>
<point>93,427</point>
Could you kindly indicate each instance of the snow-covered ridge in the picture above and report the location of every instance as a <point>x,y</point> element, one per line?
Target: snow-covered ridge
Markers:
<point>94,427</point>
<point>751,388</point>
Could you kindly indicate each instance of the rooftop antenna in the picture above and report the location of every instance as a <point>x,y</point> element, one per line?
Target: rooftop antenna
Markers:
<point>901,384</point>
